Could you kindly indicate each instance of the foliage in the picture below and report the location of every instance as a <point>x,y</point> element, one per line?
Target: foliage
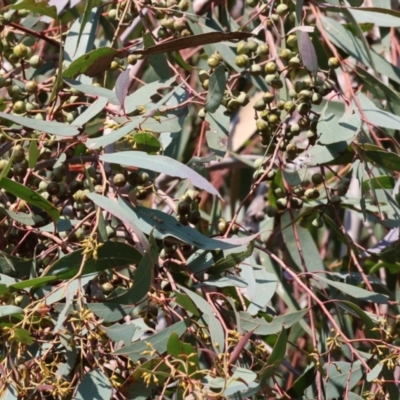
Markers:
<point>199,200</point>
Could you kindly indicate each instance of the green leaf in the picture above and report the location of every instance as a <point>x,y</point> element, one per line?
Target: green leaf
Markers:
<point>94,385</point>
<point>159,62</point>
<point>376,86</point>
<point>375,372</point>
<point>307,245</point>
<point>186,303</point>
<point>62,225</point>
<point>93,90</point>
<point>376,116</point>
<point>215,327</point>
<point>123,332</point>
<point>109,312</point>
<point>225,281</point>
<point>356,3</point>
<point>336,130</point>
<point>263,327</point>
<point>14,266</point>
<point>378,16</point>
<point>231,259</point>
<point>32,282</point>
<point>391,161</point>
<point>329,154</point>
<point>95,108</point>
<point>10,310</point>
<point>142,96</point>
<point>33,154</point>
<point>7,169</point>
<point>158,342</point>
<point>41,7</point>
<point>264,289</point>
<point>342,375</point>
<point>92,63</point>
<point>277,355</point>
<point>241,384</point>
<point>216,89</point>
<point>113,136</point>
<point>369,326</point>
<point>89,5</point>
<point>25,193</point>
<point>379,182</point>
<point>22,336</point>
<point>53,127</point>
<point>302,383</point>
<point>163,224</point>
<point>353,46</point>
<point>141,284</point>
<point>162,164</point>
<point>217,135</point>
<point>110,255</point>
<point>185,352</point>
<point>26,219</point>
<point>355,291</point>
<point>146,142</point>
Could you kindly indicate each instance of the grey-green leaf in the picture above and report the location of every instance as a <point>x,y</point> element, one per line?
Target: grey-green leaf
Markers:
<point>262,327</point>
<point>355,291</point>
<point>94,385</point>
<point>95,108</point>
<point>161,164</point>
<point>215,327</point>
<point>342,375</point>
<point>53,127</point>
<point>10,310</point>
<point>216,88</point>
<point>158,342</point>
<point>93,90</point>
<point>376,115</point>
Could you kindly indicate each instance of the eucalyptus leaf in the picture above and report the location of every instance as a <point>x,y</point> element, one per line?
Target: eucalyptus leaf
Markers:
<point>263,327</point>
<point>342,375</point>
<point>355,291</point>
<point>109,255</point>
<point>163,224</point>
<point>215,327</point>
<point>158,341</point>
<point>93,90</point>
<point>53,127</point>
<point>25,193</point>
<point>216,89</point>
<point>10,310</point>
<point>95,385</point>
<point>162,164</point>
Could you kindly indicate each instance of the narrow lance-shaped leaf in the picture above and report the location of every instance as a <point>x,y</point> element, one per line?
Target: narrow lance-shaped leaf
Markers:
<point>158,342</point>
<point>215,327</point>
<point>53,127</point>
<point>141,284</point>
<point>160,164</point>
<point>356,291</point>
<point>193,41</point>
<point>93,90</point>
<point>92,63</point>
<point>216,89</point>
<point>95,108</point>
<point>31,197</point>
<point>109,255</point>
<point>41,7</point>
